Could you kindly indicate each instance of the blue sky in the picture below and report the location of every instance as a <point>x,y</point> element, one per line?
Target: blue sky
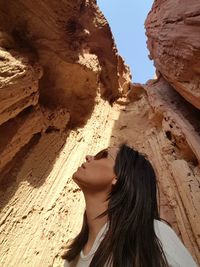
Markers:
<point>126,19</point>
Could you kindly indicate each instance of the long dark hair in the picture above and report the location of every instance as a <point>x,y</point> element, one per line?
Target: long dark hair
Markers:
<point>132,207</point>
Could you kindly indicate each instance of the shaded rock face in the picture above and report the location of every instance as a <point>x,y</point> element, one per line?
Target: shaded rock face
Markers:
<point>75,48</point>
<point>53,62</point>
<point>177,162</point>
<point>173,31</point>
<point>172,142</point>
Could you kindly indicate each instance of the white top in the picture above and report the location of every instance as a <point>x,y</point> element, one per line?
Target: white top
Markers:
<point>176,253</point>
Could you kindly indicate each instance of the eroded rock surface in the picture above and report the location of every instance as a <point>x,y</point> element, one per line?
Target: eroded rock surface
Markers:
<point>173,31</point>
<point>56,59</point>
<point>180,178</point>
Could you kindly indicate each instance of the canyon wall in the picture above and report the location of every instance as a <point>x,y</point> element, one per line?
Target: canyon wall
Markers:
<point>53,64</point>
<point>172,29</point>
<point>173,39</point>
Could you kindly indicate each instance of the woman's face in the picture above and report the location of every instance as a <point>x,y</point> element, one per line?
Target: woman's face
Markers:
<point>97,174</point>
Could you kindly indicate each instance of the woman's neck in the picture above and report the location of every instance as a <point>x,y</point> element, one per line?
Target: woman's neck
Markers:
<point>95,205</point>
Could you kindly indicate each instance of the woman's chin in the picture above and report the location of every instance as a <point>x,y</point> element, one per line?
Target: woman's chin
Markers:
<point>77,180</point>
<point>75,175</point>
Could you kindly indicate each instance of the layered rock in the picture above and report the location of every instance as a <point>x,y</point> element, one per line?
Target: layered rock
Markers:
<point>53,62</point>
<point>18,84</point>
<point>173,31</point>
<point>21,115</point>
<point>173,28</point>
<point>172,143</point>
<point>182,154</point>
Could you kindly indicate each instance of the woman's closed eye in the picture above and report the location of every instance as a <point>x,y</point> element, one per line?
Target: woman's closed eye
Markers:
<point>101,154</point>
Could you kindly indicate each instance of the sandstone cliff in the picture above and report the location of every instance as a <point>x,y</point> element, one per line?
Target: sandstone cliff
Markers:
<point>172,28</point>
<point>65,92</point>
<point>52,69</point>
<point>173,31</point>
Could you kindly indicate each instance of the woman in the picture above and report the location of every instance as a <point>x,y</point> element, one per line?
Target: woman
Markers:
<point>121,224</point>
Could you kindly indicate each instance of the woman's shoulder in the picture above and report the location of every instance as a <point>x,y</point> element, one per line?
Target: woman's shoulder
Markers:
<point>173,247</point>
<point>163,229</point>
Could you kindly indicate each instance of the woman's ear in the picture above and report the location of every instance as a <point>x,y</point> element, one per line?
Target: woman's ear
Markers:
<point>114,180</point>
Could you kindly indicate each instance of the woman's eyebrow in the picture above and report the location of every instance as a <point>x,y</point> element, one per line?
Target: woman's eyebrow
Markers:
<point>105,149</point>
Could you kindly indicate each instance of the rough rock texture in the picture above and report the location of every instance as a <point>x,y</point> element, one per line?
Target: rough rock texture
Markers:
<point>173,31</point>
<point>58,64</point>
<point>19,84</point>
<point>180,179</point>
<point>59,68</point>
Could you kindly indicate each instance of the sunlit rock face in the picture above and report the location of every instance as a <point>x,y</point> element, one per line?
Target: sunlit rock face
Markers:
<point>53,63</point>
<point>173,31</point>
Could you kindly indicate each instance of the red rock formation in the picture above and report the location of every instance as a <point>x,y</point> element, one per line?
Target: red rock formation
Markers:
<point>173,31</point>
<point>172,143</point>
<point>180,181</point>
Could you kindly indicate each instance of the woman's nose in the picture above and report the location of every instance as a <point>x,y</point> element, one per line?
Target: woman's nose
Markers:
<point>88,157</point>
